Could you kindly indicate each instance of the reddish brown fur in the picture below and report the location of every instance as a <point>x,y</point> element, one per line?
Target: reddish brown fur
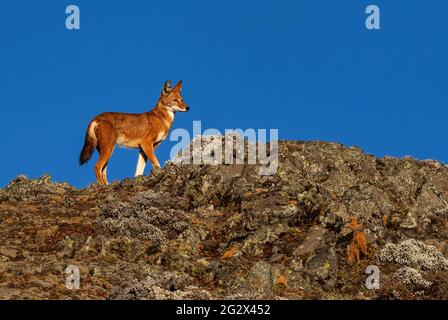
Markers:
<point>144,131</point>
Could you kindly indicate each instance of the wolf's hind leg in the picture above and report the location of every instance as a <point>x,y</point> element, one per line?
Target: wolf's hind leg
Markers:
<point>104,174</point>
<point>101,165</point>
<point>106,144</point>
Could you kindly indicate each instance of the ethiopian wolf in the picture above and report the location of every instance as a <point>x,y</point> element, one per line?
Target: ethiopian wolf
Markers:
<point>144,131</point>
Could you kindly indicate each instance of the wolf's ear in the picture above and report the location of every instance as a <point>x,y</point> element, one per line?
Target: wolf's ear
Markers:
<point>166,90</point>
<point>178,86</point>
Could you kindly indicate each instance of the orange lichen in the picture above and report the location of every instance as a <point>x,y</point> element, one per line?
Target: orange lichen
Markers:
<point>281,281</point>
<point>196,221</point>
<point>230,252</point>
<point>354,224</point>
<point>358,243</point>
<point>385,220</point>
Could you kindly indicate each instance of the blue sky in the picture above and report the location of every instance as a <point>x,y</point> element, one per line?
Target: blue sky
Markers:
<point>308,68</point>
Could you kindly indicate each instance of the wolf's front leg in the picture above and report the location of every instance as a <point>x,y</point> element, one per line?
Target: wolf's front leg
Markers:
<point>148,149</point>
<point>141,164</point>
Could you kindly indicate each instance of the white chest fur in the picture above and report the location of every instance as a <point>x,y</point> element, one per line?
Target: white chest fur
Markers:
<point>161,136</point>
<point>171,115</point>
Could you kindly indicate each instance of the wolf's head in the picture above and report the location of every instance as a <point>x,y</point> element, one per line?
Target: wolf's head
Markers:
<point>171,98</point>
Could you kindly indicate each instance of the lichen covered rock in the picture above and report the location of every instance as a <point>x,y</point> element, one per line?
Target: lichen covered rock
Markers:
<point>227,232</point>
<point>415,254</point>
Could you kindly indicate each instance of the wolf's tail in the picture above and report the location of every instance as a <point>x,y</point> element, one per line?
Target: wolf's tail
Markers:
<point>89,145</point>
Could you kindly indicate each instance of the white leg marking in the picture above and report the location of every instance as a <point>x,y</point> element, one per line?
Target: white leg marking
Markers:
<point>104,173</point>
<point>141,164</point>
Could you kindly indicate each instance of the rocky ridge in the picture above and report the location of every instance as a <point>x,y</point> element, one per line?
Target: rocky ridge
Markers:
<point>225,232</point>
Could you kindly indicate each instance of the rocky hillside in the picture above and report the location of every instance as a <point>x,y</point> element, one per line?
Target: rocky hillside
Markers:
<point>225,232</point>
